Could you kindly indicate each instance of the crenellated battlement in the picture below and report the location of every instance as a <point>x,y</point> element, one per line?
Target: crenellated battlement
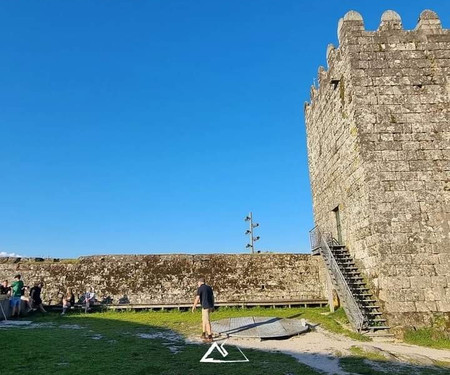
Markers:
<point>355,42</point>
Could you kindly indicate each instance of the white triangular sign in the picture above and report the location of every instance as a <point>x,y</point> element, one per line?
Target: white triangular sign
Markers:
<point>223,352</point>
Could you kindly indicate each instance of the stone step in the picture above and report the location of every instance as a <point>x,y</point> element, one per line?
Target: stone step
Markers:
<point>374,313</point>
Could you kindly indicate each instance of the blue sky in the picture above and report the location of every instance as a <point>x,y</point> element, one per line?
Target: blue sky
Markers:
<point>156,126</point>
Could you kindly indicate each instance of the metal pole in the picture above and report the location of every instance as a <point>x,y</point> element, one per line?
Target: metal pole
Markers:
<point>251,233</point>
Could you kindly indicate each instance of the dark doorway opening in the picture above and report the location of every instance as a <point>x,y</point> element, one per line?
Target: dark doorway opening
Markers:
<point>337,215</point>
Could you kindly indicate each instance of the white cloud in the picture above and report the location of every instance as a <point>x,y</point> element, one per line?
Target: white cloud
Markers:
<point>5,254</point>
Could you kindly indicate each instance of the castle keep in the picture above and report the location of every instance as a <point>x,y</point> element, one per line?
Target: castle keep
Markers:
<point>378,135</point>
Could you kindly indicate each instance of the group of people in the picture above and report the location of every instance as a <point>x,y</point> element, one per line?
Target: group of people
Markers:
<point>19,292</point>
<point>69,300</point>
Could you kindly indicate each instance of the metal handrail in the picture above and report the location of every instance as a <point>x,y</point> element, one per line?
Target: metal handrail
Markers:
<point>350,305</point>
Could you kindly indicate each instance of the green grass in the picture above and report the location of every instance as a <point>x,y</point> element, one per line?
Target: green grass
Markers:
<point>187,323</point>
<point>336,322</point>
<point>108,343</point>
<point>430,337</point>
<point>369,363</point>
<point>360,353</point>
<point>55,350</point>
<point>362,366</point>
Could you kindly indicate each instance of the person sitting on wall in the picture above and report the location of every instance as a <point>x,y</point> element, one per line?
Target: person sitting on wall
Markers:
<point>68,300</point>
<point>16,292</point>
<point>205,297</point>
<point>35,297</point>
<point>89,299</point>
<point>25,297</point>
<point>5,289</point>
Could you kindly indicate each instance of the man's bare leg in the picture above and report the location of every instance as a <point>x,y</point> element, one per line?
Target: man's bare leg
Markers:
<point>208,328</point>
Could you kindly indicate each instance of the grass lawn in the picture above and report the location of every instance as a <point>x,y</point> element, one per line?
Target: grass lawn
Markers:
<point>429,337</point>
<point>367,363</point>
<point>187,323</point>
<point>154,343</point>
<point>130,343</point>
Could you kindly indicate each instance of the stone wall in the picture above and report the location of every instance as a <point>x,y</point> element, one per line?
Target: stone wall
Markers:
<point>173,278</point>
<point>5,307</point>
<point>378,146</point>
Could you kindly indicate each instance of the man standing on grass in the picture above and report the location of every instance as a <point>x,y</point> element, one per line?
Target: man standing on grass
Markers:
<point>35,297</point>
<point>205,296</point>
<point>16,293</point>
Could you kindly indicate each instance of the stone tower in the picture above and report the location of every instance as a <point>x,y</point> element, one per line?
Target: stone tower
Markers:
<point>378,134</point>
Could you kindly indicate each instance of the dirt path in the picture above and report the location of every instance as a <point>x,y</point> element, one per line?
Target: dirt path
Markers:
<point>321,350</point>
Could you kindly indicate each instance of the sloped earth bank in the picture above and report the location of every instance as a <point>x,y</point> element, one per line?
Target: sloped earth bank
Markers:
<point>325,351</point>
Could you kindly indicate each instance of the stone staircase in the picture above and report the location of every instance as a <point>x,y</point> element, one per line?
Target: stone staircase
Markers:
<point>359,304</point>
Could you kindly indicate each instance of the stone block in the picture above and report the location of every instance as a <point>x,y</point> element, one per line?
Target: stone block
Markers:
<point>399,307</point>
<point>443,306</point>
<point>437,293</point>
<point>424,306</point>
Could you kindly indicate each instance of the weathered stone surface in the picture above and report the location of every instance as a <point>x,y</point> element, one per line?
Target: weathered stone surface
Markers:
<point>378,134</point>
<point>173,278</point>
